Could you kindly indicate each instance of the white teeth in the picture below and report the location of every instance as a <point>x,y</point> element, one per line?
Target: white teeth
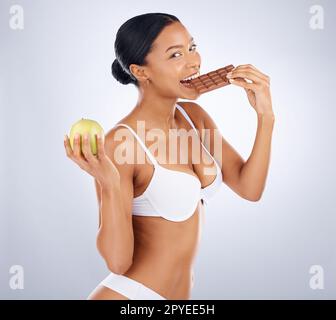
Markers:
<point>192,77</point>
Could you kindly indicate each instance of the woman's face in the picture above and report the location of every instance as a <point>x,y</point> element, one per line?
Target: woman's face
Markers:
<point>173,57</point>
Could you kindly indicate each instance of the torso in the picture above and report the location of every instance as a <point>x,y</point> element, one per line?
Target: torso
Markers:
<point>164,250</point>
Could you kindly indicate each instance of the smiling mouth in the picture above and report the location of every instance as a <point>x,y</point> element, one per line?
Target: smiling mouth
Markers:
<point>186,82</point>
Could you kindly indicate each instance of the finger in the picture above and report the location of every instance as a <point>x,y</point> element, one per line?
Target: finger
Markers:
<point>81,163</point>
<point>242,79</point>
<point>77,146</point>
<point>247,66</point>
<point>100,145</point>
<point>246,74</point>
<point>241,73</point>
<point>257,73</point>
<point>253,69</point>
<point>67,146</point>
<point>77,152</point>
<point>244,84</point>
<point>86,149</point>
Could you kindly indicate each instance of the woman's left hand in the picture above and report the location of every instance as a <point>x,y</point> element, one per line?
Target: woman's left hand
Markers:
<point>258,91</point>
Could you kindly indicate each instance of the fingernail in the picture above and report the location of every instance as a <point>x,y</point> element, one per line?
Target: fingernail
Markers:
<point>229,75</point>
<point>231,80</point>
<point>76,136</point>
<point>65,137</point>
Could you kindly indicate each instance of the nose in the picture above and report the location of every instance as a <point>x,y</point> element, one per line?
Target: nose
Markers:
<point>194,66</point>
<point>194,63</point>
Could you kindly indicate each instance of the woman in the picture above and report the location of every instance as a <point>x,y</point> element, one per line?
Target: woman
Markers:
<point>150,211</point>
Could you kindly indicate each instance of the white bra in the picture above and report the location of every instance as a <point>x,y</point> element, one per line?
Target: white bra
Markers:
<point>173,195</point>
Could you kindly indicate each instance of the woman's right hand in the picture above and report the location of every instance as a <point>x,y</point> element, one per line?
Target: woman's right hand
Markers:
<point>100,167</point>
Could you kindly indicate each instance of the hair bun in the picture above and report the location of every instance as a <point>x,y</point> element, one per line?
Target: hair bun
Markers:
<point>119,73</point>
<point>134,40</point>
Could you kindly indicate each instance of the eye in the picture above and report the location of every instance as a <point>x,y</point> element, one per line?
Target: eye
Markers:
<point>194,46</point>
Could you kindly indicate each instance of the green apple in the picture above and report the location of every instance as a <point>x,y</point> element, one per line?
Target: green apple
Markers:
<point>86,126</point>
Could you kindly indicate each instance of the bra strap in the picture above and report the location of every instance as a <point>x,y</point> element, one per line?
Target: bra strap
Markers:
<point>187,117</point>
<point>192,124</point>
<point>151,157</point>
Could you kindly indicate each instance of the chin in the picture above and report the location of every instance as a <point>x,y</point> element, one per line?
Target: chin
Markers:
<point>188,94</point>
<point>192,96</point>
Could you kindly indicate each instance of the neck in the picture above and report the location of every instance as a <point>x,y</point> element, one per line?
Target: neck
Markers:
<point>157,111</point>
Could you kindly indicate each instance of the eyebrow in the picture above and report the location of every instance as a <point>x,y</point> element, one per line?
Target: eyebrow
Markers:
<point>178,45</point>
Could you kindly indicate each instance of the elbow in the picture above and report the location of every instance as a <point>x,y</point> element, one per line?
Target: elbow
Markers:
<point>118,268</point>
<point>253,198</point>
<point>118,264</point>
<point>251,195</point>
<point>118,258</point>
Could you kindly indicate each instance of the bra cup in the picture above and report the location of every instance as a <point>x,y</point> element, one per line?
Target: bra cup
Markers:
<point>174,194</point>
<point>208,192</point>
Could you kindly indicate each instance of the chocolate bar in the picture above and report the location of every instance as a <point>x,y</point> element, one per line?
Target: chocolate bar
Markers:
<point>212,80</point>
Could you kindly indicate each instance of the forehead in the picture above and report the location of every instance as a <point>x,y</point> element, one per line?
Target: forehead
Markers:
<point>173,34</point>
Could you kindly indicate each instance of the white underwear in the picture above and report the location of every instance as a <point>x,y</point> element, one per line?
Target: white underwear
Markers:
<point>130,288</point>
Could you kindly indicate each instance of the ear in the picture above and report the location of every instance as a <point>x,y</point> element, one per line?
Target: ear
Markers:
<point>138,72</point>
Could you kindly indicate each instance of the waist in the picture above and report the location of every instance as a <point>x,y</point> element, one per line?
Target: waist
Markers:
<point>171,279</point>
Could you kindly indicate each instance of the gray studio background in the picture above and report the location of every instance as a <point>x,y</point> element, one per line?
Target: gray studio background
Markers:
<point>57,70</point>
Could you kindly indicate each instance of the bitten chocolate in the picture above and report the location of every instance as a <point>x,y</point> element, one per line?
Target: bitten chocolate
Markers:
<point>212,80</point>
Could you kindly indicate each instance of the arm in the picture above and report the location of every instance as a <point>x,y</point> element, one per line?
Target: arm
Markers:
<point>254,171</point>
<point>245,178</point>
<point>115,241</point>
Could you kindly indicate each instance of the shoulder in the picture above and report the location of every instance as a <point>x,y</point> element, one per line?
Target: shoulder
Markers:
<point>113,135</point>
<point>198,115</point>
<point>194,112</point>
<point>119,140</point>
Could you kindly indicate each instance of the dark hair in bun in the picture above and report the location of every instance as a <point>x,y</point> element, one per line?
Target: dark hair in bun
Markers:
<point>134,41</point>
